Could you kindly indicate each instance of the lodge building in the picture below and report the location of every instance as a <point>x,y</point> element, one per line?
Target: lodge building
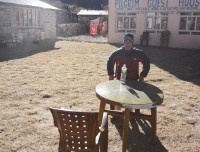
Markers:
<point>180,17</point>
<point>23,21</point>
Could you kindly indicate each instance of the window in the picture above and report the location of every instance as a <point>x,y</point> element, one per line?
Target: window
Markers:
<point>27,17</point>
<point>189,23</point>
<point>156,21</point>
<point>126,22</point>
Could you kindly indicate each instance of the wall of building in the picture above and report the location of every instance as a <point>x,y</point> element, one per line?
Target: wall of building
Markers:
<point>49,23</point>
<point>11,33</point>
<point>141,8</point>
<point>5,25</point>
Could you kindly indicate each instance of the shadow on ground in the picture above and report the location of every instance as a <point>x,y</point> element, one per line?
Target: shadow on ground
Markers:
<point>182,63</point>
<point>140,140</point>
<point>27,49</point>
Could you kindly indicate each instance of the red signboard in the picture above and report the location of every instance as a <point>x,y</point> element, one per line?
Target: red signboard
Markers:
<point>94,26</point>
<point>93,29</point>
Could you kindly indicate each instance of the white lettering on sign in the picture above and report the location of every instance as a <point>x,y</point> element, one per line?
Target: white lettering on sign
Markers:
<point>157,3</point>
<point>126,4</point>
<point>189,3</point>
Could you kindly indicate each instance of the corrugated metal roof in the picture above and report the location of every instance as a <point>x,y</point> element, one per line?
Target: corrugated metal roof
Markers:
<point>92,12</point>
<point>35,3</point>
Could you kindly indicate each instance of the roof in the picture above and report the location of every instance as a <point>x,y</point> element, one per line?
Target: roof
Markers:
<point>92,12</point>
<point>34,3</point>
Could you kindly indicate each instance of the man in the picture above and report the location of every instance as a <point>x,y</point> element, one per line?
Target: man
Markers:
<point>131,57</point>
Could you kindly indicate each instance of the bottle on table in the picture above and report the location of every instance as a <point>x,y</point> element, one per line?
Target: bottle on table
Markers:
<point>123,74</point>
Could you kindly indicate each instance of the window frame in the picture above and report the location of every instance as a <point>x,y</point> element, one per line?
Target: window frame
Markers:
<point>185,28</point>
<point>155,18</point>
<point>125,21</point>
<point>27,17</point>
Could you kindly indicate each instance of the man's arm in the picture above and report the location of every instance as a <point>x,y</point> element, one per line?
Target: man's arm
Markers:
<point>110,66</point>
<point>146,66</point>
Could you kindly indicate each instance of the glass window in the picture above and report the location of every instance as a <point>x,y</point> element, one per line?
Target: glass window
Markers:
<point>37,18</point>
<point>21,17</point>
<point>151,14</point>
<point>18,17</point>
<point>126,22</point>
<point>149,23</point>
<point>185,33</point>
<point>131,14</point>
<point>164,23</point>
<point>121,13</point>
<point>34,17</point>
<point>133,22</point>
<point>183,23</point>
<point>198,23</point>
<point>27,17</point>
<point>189,23</point>
<point>156,21</point>
<point>120,22</point>
<point>197,13</point>
<point>185,13</point>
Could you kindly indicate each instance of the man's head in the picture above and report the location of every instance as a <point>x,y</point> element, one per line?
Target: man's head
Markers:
<point>128,41</point>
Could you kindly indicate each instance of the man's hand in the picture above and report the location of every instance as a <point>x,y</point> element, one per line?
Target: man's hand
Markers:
<point>141,79</point>
<point>111,77</point>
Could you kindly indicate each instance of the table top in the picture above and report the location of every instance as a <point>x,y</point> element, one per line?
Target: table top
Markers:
<point>133,94</point>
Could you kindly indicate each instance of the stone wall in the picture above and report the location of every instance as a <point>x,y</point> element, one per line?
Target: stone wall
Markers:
<point>11,34</point>
<point>71,29</point>
<point>5,25</point>
<point>49,22</point>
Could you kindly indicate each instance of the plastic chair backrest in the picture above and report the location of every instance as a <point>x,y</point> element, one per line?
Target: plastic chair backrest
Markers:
<point>77,129</point>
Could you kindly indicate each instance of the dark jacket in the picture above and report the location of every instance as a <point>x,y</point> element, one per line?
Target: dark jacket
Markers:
<point>132,60</point>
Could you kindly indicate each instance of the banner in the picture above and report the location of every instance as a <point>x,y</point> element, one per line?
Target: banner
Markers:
<point>94,24</point>
<point>93,29</point>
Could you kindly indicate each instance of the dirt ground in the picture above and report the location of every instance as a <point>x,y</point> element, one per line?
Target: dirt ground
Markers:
<point>65,73</point>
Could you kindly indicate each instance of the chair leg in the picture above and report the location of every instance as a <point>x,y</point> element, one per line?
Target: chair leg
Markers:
<point>104,142</point>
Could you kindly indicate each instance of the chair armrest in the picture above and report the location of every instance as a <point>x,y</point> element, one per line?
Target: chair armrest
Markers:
<point>55,117</point>
<point>104,122</point>
<point>103,127</point>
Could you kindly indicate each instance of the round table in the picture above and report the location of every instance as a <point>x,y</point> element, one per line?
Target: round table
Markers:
<point>134,95</point>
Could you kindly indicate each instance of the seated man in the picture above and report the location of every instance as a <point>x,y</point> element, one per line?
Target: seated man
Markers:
<point>131,57</point>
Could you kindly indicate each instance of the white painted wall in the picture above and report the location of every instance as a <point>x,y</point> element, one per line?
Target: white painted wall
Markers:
<point>175,6</point>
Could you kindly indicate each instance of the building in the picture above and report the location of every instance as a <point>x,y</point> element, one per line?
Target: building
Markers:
<point>26,21</point>
<point>180,17</point>
<point>84,16</point>
<point>95,19</point>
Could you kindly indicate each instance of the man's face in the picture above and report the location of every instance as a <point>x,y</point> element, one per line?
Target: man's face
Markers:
<point>128,45</point>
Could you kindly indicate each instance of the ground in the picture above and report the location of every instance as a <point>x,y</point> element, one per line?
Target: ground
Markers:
<point>65,73</point>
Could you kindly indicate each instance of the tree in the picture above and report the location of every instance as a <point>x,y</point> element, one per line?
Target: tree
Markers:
<point>88,4</point>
